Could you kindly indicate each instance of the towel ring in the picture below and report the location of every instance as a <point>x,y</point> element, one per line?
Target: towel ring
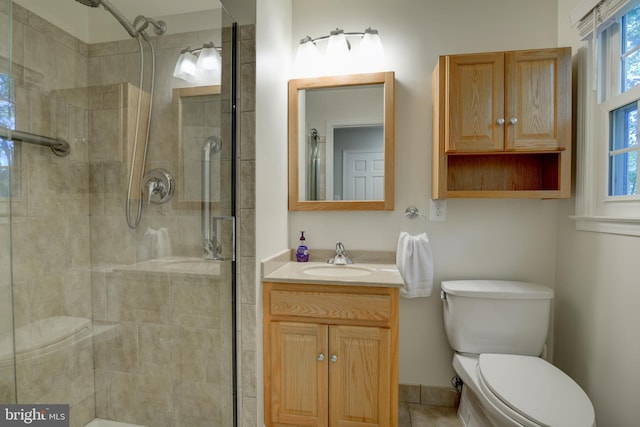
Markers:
<point>412,213</point>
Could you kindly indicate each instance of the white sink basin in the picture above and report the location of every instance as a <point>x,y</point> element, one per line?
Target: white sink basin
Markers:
<point>336,271</point>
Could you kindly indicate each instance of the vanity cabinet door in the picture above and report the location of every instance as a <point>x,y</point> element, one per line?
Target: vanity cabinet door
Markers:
<point>359,376</point>
<point>298,374</point>
<point>330,355</point>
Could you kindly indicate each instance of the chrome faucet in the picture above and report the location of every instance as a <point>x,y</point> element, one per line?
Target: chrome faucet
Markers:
<point>340,257</point>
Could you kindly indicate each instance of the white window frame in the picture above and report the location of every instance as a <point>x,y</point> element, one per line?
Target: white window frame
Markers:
<point>598,89</point>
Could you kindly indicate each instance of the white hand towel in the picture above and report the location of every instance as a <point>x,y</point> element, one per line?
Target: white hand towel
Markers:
<point>415,264</point>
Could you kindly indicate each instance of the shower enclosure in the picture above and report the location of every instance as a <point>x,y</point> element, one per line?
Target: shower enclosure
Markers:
<point>134,325</point>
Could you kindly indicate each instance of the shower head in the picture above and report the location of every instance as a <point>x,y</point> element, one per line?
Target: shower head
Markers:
<point>90,3</point>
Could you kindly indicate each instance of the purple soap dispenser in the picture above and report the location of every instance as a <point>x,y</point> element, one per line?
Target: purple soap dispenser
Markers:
<point>302,254</point>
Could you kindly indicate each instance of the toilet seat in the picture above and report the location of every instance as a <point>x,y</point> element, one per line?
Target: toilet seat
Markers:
<point>533,392</point>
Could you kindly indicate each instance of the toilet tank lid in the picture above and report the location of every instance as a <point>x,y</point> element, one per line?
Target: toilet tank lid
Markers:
<point>497,289</point>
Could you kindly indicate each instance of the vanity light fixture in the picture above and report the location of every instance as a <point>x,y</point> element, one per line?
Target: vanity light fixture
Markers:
<point>201,65</point>
<point>340,55</point>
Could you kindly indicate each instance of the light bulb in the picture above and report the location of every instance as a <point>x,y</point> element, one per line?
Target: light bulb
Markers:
<point>371,52</point>
<point>338,47</point>
<point>186,67</point>
<point>209,59</point>
<point>307,57</point>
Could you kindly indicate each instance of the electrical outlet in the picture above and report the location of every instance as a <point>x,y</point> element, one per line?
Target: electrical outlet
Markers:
<point>438,210</point>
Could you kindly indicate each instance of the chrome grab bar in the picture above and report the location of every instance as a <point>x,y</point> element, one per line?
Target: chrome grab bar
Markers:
<point>60,147</point>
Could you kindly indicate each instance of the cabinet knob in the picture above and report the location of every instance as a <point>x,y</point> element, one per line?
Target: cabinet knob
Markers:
<point>334,358</point>
<point>500,121</point>
<point>513,120</point>
<point>320,357</point>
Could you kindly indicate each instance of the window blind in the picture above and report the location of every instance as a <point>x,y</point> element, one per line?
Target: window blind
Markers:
<point>594,16</point>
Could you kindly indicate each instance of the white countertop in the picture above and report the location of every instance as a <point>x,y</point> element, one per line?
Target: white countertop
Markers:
<point>359,274</point>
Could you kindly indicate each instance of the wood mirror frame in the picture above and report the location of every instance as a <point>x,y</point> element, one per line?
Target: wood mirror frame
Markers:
<point>387,80</point>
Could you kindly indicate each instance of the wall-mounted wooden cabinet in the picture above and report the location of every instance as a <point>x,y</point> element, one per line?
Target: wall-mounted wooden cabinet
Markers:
<point>502,125</point>
<point>331,355</point>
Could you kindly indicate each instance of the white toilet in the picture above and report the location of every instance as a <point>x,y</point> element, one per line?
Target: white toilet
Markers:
<point>498,330</point>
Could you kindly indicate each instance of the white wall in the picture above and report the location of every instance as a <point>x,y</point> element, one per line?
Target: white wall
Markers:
<point>273,64</point>
<point>596,308</point>
<point>482,238</point>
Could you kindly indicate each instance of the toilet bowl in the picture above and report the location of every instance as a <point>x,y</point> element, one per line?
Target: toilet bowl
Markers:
<point>514,390</point>
<point>497,330</point>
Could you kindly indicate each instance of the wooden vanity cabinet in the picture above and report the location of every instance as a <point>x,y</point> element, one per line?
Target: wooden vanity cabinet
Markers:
<point>330,355</point>
<point>502,124</point>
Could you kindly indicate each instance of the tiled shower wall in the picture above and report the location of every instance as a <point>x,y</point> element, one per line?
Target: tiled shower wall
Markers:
<point>68,222</point>
<point>247,392</point>
<point>50,210</point>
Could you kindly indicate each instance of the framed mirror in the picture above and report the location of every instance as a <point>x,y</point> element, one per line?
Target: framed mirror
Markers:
<point>342,142</point>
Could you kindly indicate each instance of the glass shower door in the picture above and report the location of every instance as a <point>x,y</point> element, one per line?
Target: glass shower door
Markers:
<point>7,157</point>
<point>164,292</point>
<point>129,325</point>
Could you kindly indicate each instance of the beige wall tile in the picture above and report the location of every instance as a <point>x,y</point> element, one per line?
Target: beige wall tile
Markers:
<point>247,280</point>
<point>111,241</point>
<point>198,404</point>
<point>140,297</point>
<point>116,348</point>
<point>34,255</point>
<point>144,400</point>
<point>105,140</point>
<point>195,301</point>
<point>156,342</point>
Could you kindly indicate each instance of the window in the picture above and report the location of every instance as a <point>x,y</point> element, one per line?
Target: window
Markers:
<point>7,158</point>
<point>623,151</point>
<point>630,49</point>
<point>622,166</point>
<point>608,193</point>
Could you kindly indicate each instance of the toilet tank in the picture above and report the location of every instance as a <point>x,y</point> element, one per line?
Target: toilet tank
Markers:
<point>496,316</point>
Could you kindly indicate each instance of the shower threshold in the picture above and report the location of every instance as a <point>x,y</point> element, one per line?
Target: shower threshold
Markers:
<point>98,422</point>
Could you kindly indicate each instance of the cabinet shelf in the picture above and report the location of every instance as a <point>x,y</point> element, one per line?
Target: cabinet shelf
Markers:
<point>502,172</point>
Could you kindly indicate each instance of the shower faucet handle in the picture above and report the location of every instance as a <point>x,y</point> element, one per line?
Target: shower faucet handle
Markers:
<point>159,186</point>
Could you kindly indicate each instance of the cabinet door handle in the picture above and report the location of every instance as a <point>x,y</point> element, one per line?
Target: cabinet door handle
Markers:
<point>500,121</point>
<point>334,358</point>
<point>513,120</point>
<point>320,357</point>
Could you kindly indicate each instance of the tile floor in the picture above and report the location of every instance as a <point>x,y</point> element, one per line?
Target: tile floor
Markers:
<point>416,415</point>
